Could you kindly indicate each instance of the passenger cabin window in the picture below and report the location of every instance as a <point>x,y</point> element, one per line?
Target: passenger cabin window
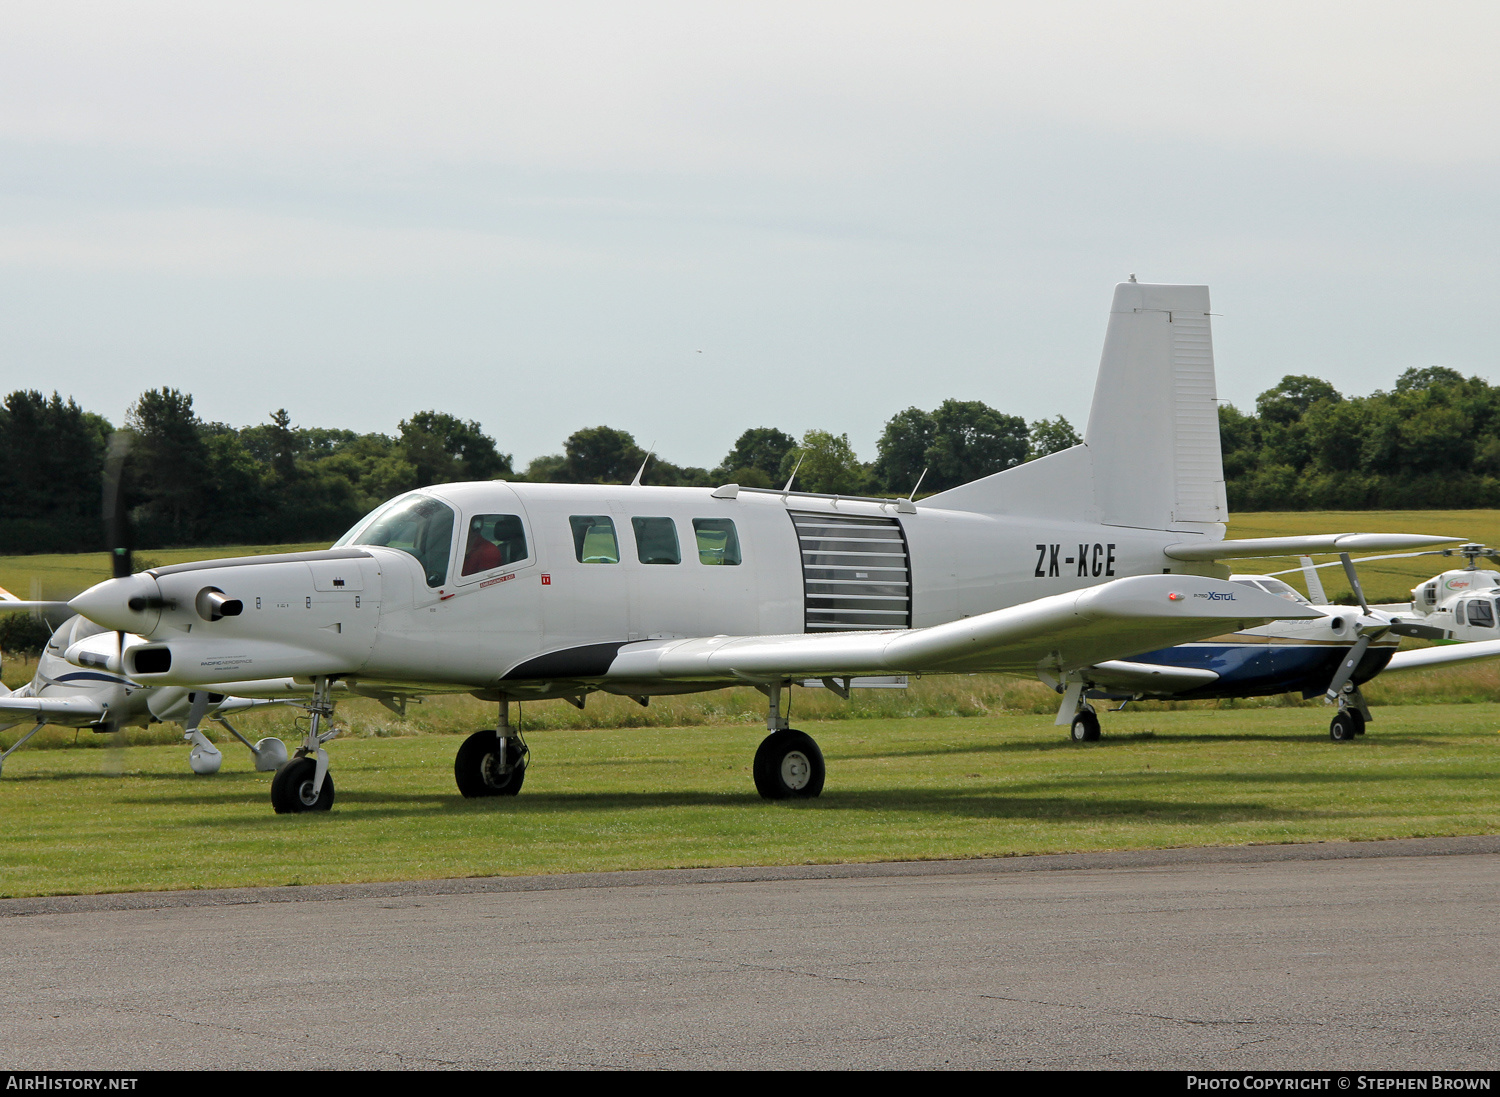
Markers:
<point>656,541</point>
<point>594,539</point>
<point>717,541</point>
<point>1482,613</point>
<point>494,540</point>
<point>422,526</point>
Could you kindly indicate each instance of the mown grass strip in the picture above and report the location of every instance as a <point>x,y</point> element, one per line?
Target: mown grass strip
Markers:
<point>670,797</point>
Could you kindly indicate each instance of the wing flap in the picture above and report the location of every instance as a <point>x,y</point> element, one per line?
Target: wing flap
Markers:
<point>1062,632</point>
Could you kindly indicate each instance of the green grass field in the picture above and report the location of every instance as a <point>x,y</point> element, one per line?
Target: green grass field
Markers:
<point>665,797</point>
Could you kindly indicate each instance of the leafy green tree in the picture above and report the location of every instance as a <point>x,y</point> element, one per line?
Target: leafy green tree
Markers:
<point>971,439</point>
<point>760,448</point>
<point>601,455</point>
<point>828,464</point>
<point>1050,436</point>
<point>1292,397</point>
<point>901,453</point>
<point>170,465</point>
<point>443,449</point>
<point>52,454</point>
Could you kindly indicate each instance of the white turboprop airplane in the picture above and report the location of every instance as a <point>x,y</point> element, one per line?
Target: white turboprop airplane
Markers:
<point>521,591</point>
<point>75,695</point>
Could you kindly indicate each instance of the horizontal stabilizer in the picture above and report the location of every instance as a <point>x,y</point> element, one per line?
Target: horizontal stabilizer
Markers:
<point>1309,545</point>
<point>1062,632</point>
<point>1445,656</point>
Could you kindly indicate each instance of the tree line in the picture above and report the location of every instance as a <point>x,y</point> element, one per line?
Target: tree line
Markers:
<point>1434,441</point>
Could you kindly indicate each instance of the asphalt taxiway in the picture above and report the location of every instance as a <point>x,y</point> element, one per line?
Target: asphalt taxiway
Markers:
<point>1336,955</point>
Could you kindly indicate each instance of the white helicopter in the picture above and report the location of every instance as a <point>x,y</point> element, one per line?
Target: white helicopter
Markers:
<point>65,694</point>
<point>520,591</point>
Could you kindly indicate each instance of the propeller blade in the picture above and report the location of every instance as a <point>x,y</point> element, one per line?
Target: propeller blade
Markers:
<point>1346,668</point>
<point>117,532</point>
<point>1353,577</point>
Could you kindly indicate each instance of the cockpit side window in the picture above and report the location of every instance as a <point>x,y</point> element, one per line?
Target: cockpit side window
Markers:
<point>494,541</point>
<point>1429,594</point>
<point>1482,613</point>
<point>421,526</point>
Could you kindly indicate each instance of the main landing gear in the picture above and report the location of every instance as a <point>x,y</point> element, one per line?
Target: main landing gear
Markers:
<point>1076,714</point>
<point>788,764</point>
<point>1352,716</point>
<point>492,762</point>
<point>303,783</point>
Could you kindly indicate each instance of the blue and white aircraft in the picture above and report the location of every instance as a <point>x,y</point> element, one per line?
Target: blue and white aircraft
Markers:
<point>1332,656</point>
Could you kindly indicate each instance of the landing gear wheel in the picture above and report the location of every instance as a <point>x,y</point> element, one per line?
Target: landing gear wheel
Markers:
<point>1086,726</point>
<point>1345,726</point>
<point>292,788</point>
<point>1359,721</point>
<point>477,767</point>
<point>788,766</point>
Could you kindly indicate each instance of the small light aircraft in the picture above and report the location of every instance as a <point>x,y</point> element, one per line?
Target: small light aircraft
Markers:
<point>70,694</point>
<point>520,591</point>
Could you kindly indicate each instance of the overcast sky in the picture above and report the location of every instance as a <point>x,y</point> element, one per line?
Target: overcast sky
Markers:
<point>689,219</point>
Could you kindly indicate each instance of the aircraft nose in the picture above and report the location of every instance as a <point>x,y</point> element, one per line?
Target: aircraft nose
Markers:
<point>131,604</point>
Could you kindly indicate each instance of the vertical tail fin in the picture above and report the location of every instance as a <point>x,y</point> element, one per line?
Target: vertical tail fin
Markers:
<point>1150,455</point>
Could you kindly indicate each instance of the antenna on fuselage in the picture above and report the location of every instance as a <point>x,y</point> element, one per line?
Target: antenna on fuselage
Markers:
<point>918,486</point>
<point>793,476</point>
<point>650,453</point>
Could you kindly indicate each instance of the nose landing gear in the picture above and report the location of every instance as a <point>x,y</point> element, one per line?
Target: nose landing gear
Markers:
<point>303,783</point>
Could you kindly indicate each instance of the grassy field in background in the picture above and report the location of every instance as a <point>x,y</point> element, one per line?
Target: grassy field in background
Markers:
<point>62,575</point>
<point>898,789</point>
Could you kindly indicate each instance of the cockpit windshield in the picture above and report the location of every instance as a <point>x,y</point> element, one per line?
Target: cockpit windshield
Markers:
<point>1273,586</point>
<point>418,524</point>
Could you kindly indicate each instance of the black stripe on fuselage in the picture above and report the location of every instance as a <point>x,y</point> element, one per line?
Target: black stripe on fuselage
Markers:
<point>587,661</point>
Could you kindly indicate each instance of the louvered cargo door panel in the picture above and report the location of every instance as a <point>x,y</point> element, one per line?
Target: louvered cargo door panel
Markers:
<point>856,572</point>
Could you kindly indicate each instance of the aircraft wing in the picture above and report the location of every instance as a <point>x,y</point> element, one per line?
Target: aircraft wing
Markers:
<point>1444,656</point>
<point>1062,632</point>
<point>1318,543</point>
<point>1148,677</point>
<point>73,711</point>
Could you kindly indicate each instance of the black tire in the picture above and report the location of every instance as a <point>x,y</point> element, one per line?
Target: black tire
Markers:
<point>1343,727</point>
<point>788,766</point>
<point>476,768</point>
<point>291,788</point>
<point>1086,726</point>
<point>1359,721</point>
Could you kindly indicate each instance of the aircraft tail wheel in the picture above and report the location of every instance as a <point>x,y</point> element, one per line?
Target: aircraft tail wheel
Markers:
<point>270,755</point>
<point>292,788</point>
<point>1086,726</point>
<point>1343,727</point>
<point>788,765</point>
<point>478,771</point>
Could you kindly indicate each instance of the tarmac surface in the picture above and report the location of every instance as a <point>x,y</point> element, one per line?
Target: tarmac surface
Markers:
<point>1343,955</point>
